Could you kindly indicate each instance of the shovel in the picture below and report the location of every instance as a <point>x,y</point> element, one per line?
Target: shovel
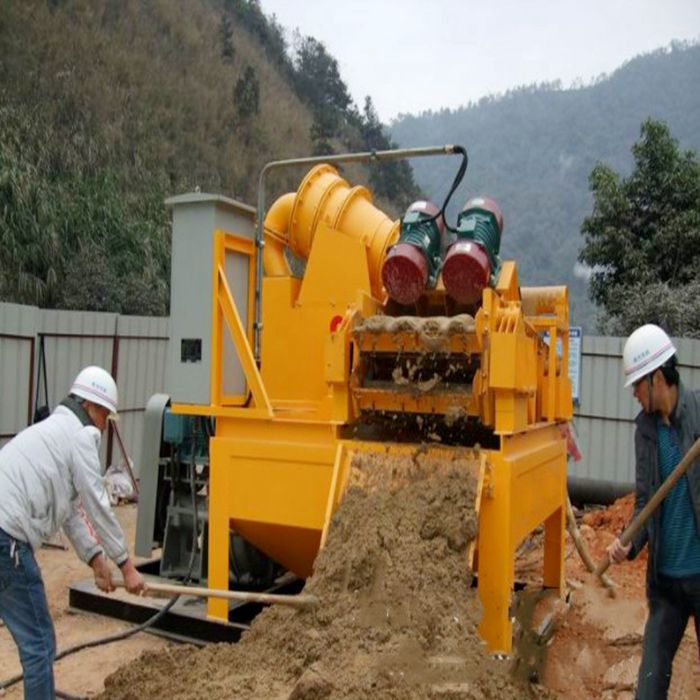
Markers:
<point>296,601</point>
<point>636,525</point>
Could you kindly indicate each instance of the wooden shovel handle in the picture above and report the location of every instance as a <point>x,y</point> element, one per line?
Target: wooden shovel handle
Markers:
<point>636,525</point>
<point>582,549</point>
<point>295,601</point>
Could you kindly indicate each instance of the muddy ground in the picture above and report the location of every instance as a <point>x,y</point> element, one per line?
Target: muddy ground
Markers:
<point>395,619</point>
<point>596,651</point>
<point>83,673</point>
<point>593,654</point>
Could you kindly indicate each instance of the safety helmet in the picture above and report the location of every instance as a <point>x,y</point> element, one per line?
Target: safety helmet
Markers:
<point>647,349</point>
<point>96,384</point>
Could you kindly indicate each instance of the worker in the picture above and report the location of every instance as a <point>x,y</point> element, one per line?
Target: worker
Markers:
<point>667,425</point>
<point>50,478</point>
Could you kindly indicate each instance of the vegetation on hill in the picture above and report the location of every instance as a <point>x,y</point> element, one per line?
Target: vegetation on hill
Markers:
<point>534,148</point>
<point>642,241</point>
<point>109,106</point>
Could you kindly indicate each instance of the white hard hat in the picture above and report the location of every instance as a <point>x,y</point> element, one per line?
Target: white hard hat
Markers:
<point>96,384</point>
<point>646,349</point>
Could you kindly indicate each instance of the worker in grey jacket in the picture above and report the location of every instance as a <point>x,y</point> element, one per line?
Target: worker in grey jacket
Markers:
<point>667,425</point>
<point>51,478</point>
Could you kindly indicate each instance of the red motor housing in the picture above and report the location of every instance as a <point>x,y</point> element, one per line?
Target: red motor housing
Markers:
<point>466,271</point>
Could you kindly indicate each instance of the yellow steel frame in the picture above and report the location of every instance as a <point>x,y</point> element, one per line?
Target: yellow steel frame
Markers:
<point>525,486</point>
<point>278,464</point>
<point>269,480</point>
<point>224,308</point>
<point>400,400</point>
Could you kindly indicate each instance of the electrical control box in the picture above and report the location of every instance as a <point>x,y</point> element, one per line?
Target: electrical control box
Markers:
<point>197,217</point>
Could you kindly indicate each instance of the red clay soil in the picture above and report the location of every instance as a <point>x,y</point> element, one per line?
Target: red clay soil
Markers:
<point>614,518</point>
<point>396,621</point>
<point>608,523</point>
<point>596,652</point>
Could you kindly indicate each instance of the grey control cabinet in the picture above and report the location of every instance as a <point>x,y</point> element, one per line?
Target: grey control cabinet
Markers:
<point>196,216</point>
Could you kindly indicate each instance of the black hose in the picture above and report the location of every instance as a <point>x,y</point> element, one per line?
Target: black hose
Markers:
<point>455,184</point>
<point>595,491</point>
<point>144,625</point>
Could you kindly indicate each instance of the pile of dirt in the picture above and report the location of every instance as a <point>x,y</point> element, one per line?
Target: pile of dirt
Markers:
<point>596,653</point>
<point>397,617</point>
<point>614,518</point>
<point>601,526</point>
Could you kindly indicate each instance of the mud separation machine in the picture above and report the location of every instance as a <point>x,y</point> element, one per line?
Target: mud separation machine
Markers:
<point>383,335</point>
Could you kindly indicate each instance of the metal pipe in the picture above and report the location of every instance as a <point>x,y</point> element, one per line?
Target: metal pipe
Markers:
<point>582,490</point>
<point>364,157</point>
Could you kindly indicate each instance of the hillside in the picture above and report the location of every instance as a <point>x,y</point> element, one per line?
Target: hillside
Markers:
<point>534,148</point>
<point>109,106</point>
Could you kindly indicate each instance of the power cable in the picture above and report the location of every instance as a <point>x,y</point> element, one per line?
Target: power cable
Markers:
<point>461,171</point>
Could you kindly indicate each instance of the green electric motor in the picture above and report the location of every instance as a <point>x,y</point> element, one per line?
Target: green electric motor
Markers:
<point>472,262</point>
<point>413,264</point>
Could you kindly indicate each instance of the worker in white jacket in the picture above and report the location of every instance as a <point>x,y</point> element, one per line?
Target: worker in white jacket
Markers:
<point>51,478</point>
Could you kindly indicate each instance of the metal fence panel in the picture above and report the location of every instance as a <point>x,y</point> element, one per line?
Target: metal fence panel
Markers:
<point>17,343</point>
<point>140,369</point>
<point>57,344</point>
<point>72,340</point>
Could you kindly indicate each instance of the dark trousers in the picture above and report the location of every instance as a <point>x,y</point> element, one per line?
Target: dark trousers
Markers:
<point>671,603</point>
<point>25,611</point>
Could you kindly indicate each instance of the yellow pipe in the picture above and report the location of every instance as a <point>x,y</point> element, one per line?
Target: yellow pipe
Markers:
<point>325,197</point>
<point>276,224</point>
<point>540,301</point>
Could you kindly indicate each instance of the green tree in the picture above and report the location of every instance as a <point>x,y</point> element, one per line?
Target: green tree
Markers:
<point>29,239</point>
<point>317,81</point>
<point>246,94</point>
<point>226,30</point>
<point>91,282</point>
<point>390,179</point>
<point>318,78</point>
<point>642,241</point>
<point>266,30</point>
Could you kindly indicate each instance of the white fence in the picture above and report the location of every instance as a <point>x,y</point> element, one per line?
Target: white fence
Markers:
<point>134,349</point>
<point>42,350</point>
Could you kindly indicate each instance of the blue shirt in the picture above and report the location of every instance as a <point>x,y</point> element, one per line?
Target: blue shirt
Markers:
<point>679,554</point>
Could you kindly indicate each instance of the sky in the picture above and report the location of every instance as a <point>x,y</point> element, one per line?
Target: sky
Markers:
<point>412,55</point>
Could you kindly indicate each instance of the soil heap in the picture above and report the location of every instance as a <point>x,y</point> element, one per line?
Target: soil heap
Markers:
<point>397,618</point>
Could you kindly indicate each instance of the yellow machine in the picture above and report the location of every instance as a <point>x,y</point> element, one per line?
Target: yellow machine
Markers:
<point>333,357</point>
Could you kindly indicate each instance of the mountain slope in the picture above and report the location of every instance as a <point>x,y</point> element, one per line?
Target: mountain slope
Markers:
<point>533,149</point>
<point>109,106</point>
